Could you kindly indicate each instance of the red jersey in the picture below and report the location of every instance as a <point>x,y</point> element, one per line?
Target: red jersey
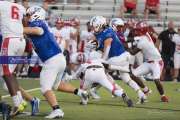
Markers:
<point>131,5</point>
<point>152,3</point>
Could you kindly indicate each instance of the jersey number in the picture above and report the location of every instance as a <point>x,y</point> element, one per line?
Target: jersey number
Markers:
<point>15,12</point>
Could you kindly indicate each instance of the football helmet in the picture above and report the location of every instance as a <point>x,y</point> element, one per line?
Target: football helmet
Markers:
<point>116,22</point>
<point>141,28</point>
<point>97,23</point>
<point>36,13</point>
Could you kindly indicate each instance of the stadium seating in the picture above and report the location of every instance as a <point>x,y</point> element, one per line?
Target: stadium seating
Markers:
<point>110,8</point>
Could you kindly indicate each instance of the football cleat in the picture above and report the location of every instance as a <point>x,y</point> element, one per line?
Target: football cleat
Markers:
<point>35,106</point>
<point>148,92</point>
<point>142,100</point>
<point>84,98</point>
<point>94,94</point>
<point>19,109</point>
<point>58,113</point>
<point>127,100</point>
<point>6,110</point>
<point>164,99</point>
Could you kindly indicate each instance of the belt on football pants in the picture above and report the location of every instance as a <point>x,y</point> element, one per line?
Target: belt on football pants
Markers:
<point>94,66</point>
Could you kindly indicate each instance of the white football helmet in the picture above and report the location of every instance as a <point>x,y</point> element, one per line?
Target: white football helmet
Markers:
<point>97,23</point>
<point>36,13</point>
<point>116,22</point>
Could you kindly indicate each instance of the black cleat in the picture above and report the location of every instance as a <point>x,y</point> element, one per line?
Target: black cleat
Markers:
<point>6,109</point>
<point>129,103</point>
<point>127,100</point>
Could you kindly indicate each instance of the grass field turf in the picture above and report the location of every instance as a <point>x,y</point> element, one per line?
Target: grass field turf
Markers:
<point>109,108</point>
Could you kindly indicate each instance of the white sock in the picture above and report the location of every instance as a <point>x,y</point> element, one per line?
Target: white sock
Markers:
<point>133,85</point>
<point>118,92</point>
<point>79,92</point>
<point>16,100</point>
<point>20,96</point>
<point>140,94</point>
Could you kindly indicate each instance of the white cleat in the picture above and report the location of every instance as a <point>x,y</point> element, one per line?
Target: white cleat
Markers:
<point>148,92</point>
<point>142,100</point>
<point>94,94</point>
<point>84,98</point>
<point>58,113</point>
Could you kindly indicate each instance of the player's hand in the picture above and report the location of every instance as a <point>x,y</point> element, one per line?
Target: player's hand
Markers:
<point>92,44</point>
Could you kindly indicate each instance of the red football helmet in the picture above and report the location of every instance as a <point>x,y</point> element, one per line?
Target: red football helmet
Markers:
<point>140,28</point>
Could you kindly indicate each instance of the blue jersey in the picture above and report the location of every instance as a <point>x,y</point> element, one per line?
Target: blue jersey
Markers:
<point>117,47</point>
<point>45,45</point>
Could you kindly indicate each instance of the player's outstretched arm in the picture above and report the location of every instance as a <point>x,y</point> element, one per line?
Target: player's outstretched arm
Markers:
<point>33,30</point>
<point>107,46</point>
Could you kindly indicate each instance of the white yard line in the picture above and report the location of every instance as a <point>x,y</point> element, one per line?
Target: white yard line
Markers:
<point>30,90</point>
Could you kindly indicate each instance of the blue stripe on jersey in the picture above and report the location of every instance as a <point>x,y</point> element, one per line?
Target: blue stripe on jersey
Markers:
<point>45,45</point>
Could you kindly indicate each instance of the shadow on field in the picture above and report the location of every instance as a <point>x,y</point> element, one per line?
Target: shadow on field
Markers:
<point>110,104</point>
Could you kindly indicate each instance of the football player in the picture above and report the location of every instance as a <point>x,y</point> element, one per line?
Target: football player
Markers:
<point>176,40</point>
<point>92,71</point>
<point>13,44</point>
<point>118,25</point>
<point>153,62</point>
<point>53,60</point>
<point>86,35</point>
<point>114,52</point>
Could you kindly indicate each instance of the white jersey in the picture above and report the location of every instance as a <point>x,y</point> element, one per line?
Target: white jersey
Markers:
<point>58,35</point>
<point>176,40</point>
<point>85,36</point>
<point>11,15</point>
<point>66,32</point>
<point>150,52</point>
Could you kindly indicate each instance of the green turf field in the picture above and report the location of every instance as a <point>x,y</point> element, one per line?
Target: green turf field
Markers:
<point>109,108</point>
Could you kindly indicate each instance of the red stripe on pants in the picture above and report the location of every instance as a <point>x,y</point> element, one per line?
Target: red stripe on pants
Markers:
<point>4,51</point>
